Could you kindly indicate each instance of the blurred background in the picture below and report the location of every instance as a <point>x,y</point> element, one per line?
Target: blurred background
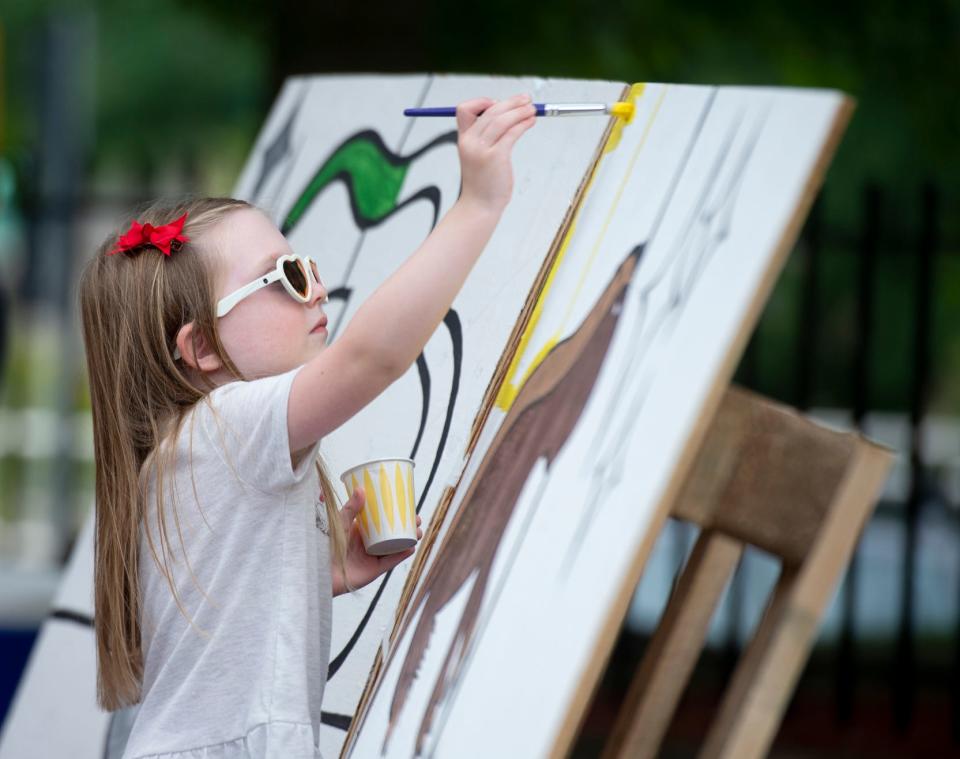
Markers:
<point>106,104</point>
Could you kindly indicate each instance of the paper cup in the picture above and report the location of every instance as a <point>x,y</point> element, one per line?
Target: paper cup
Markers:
<point>388,520</point>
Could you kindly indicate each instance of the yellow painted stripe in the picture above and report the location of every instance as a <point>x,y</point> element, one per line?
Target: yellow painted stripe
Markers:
<point>509,390</point>
<point>401,496</point>
<point>371,493</point>
<point>387,497</point>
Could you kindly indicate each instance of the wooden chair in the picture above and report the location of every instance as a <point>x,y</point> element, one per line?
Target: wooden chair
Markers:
<point>767,476</point>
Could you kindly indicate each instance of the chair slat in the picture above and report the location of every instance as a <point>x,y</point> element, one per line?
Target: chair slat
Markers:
<point>674,648</point>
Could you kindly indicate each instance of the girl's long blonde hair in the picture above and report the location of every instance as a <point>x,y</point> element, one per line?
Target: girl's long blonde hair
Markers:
<point>132,305</point>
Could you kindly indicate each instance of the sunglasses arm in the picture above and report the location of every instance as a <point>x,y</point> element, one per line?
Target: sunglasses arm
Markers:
<point>229,301</point>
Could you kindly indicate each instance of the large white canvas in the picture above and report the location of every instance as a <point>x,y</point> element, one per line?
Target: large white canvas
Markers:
<point>705,190</point>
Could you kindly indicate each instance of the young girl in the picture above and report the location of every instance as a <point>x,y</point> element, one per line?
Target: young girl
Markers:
<point>212,386</point>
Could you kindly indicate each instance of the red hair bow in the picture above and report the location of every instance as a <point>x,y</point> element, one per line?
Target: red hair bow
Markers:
<point>164,238</point>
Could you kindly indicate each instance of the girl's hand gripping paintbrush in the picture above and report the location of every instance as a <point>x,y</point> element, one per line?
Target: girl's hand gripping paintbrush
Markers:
<point>488,130</point>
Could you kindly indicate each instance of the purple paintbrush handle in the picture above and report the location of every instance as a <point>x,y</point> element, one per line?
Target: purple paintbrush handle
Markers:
<point>450,111</point>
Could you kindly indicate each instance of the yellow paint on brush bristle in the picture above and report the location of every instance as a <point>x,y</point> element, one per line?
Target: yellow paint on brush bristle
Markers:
<point>636,90</point>
<point>624,110</point>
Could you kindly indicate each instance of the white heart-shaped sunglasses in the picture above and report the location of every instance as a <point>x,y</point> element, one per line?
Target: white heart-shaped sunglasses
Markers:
<point>292,270</point>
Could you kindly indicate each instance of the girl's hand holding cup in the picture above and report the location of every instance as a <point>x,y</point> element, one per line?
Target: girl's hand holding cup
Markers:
<point>379,519</point>
<point>362,567</point>
<point>488,130</point>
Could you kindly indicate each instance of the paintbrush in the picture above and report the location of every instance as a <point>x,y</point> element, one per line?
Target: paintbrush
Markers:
<point>624,110</point>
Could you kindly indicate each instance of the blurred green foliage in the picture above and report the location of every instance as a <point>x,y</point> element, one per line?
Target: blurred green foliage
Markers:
<point>191,77</point>
<point>169,82</point>
<point>177,81</point>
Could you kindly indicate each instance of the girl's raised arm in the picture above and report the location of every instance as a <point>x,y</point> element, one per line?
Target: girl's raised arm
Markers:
<point>393,325</point>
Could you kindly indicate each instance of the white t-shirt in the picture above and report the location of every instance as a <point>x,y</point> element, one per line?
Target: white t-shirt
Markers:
<point>253,688</point>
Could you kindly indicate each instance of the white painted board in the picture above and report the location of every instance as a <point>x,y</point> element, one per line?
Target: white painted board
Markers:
<point>702,189</point>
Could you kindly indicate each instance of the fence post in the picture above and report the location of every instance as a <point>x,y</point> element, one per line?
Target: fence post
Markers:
<point>905,672</point>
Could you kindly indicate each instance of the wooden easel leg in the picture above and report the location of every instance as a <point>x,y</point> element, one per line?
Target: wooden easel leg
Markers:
<point>767,673</point>
<point>767,476</point>
<point>674,649</point>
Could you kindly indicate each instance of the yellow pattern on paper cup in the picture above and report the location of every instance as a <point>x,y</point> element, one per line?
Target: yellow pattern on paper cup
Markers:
<point>371,493</point>
<point>401,497</point>
<point>386,497</point>
<point>364,524</point>
<point>362,516</point>
<point>413,499</point>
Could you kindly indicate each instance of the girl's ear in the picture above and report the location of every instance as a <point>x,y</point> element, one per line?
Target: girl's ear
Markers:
<point>205,359</point>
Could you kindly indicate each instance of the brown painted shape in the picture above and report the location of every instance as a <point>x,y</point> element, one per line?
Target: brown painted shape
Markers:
<point>538,424</point>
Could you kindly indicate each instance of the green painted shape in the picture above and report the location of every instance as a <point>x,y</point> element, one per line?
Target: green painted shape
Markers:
<point>376,181</point>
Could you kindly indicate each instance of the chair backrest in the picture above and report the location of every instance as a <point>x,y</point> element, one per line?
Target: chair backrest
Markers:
<point>770,477</point>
